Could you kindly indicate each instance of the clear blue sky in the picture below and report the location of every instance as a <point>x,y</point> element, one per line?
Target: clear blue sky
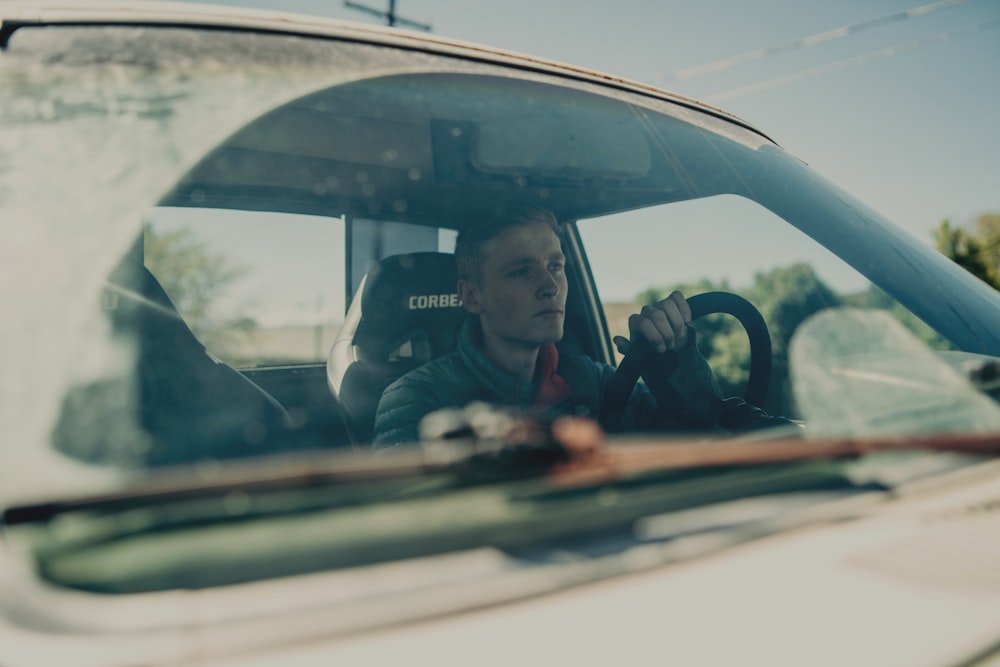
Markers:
<point>902,112</point>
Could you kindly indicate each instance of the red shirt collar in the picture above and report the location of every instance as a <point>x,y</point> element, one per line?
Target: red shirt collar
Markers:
<point>551,387</point>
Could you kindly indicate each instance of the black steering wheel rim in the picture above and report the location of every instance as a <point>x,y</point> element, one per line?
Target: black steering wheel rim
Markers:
<point>631,367</point>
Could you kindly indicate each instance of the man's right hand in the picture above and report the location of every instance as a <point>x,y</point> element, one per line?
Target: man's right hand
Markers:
<point>664,324</point>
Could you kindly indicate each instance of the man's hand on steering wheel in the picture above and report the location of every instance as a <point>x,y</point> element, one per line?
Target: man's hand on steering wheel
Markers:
<point>664,324</point>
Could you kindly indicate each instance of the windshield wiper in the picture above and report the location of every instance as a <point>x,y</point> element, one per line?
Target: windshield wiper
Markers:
<point>569,451</point>
<point>556,484</point>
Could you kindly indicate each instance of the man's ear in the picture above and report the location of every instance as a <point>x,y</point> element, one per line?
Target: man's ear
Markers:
<point>469,293</point>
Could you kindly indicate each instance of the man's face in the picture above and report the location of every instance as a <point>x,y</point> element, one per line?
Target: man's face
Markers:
<point>520,295</point>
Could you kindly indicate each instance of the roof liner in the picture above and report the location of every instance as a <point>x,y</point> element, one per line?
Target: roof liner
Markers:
<point>411,147</point>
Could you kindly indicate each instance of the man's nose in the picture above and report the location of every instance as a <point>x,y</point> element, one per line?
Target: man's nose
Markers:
<point>548,286</point>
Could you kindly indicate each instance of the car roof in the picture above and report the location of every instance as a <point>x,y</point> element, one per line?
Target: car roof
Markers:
<point>440,203</point>
<point>17,13</point>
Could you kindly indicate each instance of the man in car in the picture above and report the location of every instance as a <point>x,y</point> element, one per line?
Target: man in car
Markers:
<point>512,281</point>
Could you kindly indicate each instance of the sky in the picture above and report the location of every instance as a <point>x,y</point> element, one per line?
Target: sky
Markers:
<point>897,101</point>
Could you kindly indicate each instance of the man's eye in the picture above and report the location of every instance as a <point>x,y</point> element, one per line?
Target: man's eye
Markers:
<point>518,273</point>
<point>556,266</point>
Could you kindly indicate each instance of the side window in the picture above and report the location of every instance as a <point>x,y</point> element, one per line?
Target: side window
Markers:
<point>258,289</point>
<point>373,240</point>
<point>731,244</point>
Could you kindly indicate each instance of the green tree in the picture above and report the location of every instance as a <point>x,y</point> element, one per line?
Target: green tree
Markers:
<point>873,297</point>
<point>195,278</point>
<point>786,297</point>
<point>988,229</point>
<point>977,252</point>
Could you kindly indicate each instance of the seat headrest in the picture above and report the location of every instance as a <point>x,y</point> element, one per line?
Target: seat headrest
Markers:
<point>407,312</point>
<point>410,309</point>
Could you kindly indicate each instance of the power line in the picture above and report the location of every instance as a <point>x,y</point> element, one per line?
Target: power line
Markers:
<point>888,52</point>
<point>390,16</point>
<point>812,40</point>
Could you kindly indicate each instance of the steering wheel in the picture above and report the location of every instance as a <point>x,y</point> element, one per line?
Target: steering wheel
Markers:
<point>640,353</point>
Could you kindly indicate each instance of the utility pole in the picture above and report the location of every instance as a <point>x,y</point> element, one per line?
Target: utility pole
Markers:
<point>390,16</point>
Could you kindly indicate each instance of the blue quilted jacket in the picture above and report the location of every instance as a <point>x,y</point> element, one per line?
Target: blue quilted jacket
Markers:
<point>467,375</point>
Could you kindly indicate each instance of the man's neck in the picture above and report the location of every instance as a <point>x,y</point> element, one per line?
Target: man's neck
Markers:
<point>517,358</point>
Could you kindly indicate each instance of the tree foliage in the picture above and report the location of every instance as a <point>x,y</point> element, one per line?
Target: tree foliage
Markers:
<point>873,297</point>
<point>195,278</point>
<point>978,252</point>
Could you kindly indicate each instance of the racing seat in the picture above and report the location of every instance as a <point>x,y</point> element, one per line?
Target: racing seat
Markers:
<point>189,405</point>
<point>406,312</point>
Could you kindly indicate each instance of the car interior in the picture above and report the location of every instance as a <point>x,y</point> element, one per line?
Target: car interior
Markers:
<point>405,312</point>
<point>420,151</point>
<point>397,165</point>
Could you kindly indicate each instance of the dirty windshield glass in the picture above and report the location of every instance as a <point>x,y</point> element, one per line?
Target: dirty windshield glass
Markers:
<point>210,224</point>
<point>263,318</point>
<point>97,125</point>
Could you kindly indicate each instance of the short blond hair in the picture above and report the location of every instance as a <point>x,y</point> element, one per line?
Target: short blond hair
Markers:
<point>491,224</point>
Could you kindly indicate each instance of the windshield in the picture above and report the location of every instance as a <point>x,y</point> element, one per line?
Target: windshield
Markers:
<point>223,245</point>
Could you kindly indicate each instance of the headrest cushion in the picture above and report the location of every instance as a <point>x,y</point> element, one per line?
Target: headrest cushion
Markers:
<point>409,300</point>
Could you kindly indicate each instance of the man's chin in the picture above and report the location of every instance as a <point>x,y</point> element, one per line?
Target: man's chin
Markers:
<point>553,336</point>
